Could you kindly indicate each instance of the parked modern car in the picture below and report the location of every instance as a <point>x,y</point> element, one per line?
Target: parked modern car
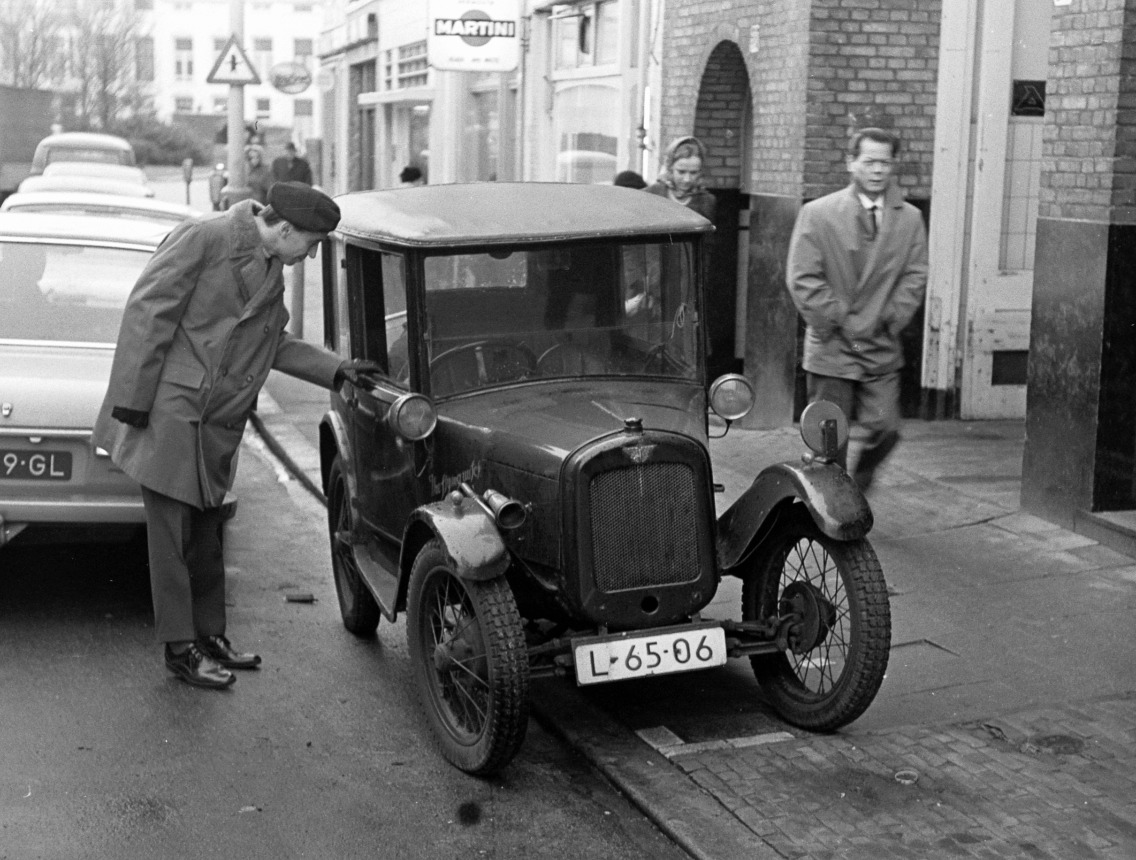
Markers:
<point>529,478</point>
<point>82,146</point>
<point>86,183</point>
<point>64,281</point>
<point>86,203</point>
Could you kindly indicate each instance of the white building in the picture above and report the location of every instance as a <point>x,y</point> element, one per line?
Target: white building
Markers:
<point>580,106</point>
<point>183,39</point>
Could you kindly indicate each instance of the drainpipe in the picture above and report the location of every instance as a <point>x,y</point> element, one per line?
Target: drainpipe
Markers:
<point>645,8</point>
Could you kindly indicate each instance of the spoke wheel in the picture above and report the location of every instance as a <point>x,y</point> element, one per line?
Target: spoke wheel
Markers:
<point>834,595</point>
<point>357,605</point>
<point>470,665</point>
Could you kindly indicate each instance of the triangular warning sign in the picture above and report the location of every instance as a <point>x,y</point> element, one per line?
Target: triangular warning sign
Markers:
<point>232,66</point>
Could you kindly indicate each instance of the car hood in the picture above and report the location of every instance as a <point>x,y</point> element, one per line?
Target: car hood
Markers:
<point>535,427</point>
<point>53,386</point>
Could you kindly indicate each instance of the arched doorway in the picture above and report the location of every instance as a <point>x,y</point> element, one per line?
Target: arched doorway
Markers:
<point>722,121</point>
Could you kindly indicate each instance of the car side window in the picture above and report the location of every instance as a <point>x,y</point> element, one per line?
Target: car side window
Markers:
<point>394,316</point>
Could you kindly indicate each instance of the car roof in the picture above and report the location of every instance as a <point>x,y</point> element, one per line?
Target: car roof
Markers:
<point>86,139</point>
<point>75,182</point>
<point>92,203</point>
<point>125,172</point>
<point>494,213</point>
<point>25,226</point>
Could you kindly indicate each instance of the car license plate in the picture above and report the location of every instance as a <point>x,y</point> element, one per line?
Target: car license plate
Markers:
<point>657,652</point>
<point>35,465</point>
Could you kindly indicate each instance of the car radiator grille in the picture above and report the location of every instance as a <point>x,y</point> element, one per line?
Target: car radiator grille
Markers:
<point>645,524</point>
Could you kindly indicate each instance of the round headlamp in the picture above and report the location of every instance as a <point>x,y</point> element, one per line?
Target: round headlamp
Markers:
<point>731,396</point>
<point>412,417</point>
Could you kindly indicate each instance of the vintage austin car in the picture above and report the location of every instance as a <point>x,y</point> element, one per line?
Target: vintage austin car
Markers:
<point>530,482</point>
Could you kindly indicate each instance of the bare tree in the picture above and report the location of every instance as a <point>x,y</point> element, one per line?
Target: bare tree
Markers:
<point>104,37</point>
<point>31,43</point>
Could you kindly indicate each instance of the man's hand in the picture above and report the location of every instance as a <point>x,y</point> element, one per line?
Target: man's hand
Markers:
<point>349,371</point>
<point>133,417</point>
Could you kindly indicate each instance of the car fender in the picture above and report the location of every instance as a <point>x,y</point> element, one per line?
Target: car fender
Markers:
<point>836,504</point>
<point>468,534</point>
<point>335,440</point>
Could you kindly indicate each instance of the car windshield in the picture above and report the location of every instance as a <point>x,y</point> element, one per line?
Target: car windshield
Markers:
<point>65,292</point>
<point>584,310</point>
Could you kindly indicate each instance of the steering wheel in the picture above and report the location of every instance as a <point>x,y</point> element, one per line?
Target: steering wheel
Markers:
<point>480,363</point>
<point>660,361</point>
<point>569,358</point>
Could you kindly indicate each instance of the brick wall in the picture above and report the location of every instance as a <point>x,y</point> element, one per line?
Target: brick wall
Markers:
<point>693,33</point>
<point>871,62</point>
<point>818,71</point>
<point>1089,150</point>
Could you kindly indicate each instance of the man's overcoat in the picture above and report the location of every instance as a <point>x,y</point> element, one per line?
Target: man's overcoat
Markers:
<point>856,293</point>
<point>202,328</point>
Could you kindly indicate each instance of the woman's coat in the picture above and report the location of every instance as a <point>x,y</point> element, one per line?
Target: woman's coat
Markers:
<point>202,328</point>
<point>856,293</point>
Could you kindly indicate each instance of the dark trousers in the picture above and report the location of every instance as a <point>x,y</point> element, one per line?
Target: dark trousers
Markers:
<point>187,568</point>
<point>874,403</point>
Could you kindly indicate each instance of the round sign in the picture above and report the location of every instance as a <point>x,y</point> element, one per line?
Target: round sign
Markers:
<point>290,77</point>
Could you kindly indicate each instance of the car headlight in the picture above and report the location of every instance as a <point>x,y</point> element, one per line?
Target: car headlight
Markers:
<point>412,417</point>
<point>731,396</point>
<point>824,427</point>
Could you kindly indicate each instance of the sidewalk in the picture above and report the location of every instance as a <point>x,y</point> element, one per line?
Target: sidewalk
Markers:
<point>1006,726</point>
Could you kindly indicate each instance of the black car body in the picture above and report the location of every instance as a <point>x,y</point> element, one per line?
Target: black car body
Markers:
<point>529,477</point>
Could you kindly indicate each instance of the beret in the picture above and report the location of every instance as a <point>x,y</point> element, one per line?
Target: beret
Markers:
<point>304,207</point>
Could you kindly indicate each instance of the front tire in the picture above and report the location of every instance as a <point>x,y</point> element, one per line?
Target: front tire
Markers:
<point>357,606</point>
<point>470,664</point>
<point>839,649</point>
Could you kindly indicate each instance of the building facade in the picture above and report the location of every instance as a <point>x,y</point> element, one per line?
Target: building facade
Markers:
<point>182,40</point>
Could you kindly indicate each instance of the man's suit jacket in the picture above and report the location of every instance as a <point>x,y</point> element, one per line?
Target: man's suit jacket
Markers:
<point>856,293</point>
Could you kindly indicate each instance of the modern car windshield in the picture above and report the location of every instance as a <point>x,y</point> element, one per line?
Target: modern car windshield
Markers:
<point>597,310</point>
<point>65,292</point>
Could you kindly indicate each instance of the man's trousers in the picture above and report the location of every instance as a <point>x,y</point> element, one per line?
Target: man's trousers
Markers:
<point>874,402</point>
<point>187,568</point>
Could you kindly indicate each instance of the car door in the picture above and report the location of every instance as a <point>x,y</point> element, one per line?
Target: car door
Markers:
<point>386,466</point>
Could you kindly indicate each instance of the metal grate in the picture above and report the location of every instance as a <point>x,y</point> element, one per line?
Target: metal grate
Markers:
<point>645,526</point>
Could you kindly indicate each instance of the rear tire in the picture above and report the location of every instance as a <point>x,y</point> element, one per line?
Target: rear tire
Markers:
<point>470,664</point>
<point>357,606</point>
<point>834,668</point>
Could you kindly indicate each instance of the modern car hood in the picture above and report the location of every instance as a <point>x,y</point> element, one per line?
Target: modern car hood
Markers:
<point>52,386</point>
<point>536,426</point>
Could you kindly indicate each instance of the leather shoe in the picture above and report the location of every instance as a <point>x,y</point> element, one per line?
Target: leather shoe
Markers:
<point>219,649</point>
<point>195,668</point>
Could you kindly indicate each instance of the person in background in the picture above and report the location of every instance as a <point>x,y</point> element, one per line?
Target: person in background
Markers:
<point>857,270</point>
<point>202,328</point>
<point>629,179</point>
<point>290,167</point>
<point>259,178</point>
<point>681,178</point>
<point>410,177</point>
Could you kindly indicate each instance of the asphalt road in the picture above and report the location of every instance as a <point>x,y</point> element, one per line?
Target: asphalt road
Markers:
<point>320,754</point>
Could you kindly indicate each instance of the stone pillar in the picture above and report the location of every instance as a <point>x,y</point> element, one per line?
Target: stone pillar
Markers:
<point>1080,452</point>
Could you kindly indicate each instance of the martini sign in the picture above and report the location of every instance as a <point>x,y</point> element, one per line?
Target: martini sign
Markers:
<point>474,35</point>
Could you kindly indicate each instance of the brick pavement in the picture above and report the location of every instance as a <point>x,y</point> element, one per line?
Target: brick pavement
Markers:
<point>1055,782</point>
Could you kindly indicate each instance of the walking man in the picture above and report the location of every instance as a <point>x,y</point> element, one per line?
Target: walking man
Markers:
<point>857,270</point>
<point>202,328</point>
<point>290,167</point>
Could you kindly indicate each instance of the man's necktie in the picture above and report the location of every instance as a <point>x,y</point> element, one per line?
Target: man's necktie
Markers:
<point>874,217</point>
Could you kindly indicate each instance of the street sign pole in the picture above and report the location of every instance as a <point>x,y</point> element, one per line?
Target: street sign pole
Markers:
<point>238,188</point>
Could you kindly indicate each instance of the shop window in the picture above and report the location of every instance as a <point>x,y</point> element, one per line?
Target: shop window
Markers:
<point>587,133</point>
